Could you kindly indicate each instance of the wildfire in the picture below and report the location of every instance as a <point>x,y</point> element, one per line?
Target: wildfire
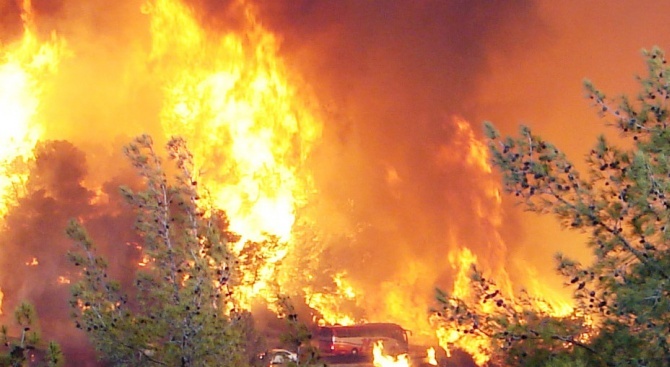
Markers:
<point>383,360</point>
<point>476,345</point>
<point>552,303</point>
<point>488,207</point>
<point>230,96</point>
<point>330,302</point>
<point>24,66</point>
<point>251,129</point>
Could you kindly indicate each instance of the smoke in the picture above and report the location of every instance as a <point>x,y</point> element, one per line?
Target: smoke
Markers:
<point>397,186</point>
<point>398,189</point>
<point>10,19</point>
<point>34,244</point>
<point>395,191</point>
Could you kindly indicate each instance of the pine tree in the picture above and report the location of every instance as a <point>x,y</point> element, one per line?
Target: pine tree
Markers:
<point>180,311</point>
<point>623,204</point>
<point>27,344</point>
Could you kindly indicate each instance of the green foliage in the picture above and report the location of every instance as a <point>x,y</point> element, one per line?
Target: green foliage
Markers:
<point>54,355</point>
<point>297,336</point>
<point>522,331</point>
<point>180,311</point>
<point>28,343</point>
<point>623,203</point>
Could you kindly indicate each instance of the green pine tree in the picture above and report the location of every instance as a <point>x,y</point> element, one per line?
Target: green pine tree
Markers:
<point>27,344</point>
<point>180,311</point>
<point>623,203</point>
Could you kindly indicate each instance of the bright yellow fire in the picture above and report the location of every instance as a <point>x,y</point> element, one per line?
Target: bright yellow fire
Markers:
<point>430,356</point>
<point>329,303</point>
<point>24,66</point>
<point>488,207</point>
<point>384,360</point>
<point>475,344</point>
<point>232,99</point>
<point>250,130</point>
<point>551,303</point>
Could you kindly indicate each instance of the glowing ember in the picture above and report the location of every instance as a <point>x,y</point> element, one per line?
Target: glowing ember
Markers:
<point>145,260</point>
<point>32,262</point>
<point>383,360</point>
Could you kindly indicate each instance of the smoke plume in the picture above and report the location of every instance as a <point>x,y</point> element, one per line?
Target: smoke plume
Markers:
<point>400,180</point>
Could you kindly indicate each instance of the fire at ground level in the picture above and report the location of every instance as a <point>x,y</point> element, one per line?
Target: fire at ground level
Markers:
<point>353,345</point>
<point>457,359</point>
<point>417,357</point>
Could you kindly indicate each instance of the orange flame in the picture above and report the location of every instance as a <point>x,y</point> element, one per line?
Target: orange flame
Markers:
<point>329,304</point>
<point>476,345</point>
<point>251,130</point>
<point>24,66</point>
<point>236,108</point>
<point>383,360</point>
<point>248,131</point>
<point>488,208</point>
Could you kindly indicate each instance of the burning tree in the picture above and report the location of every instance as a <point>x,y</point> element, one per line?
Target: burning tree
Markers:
<point>181,312</point>
<point>622,308</point>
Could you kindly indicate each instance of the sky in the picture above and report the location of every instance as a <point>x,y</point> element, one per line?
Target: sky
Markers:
<point>389,81</point>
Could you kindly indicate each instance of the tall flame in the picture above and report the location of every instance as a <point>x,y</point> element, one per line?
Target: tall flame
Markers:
<point>462,259</point>
<point>475,344</point>
<point>230,97</point>
<point>24,66</point>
